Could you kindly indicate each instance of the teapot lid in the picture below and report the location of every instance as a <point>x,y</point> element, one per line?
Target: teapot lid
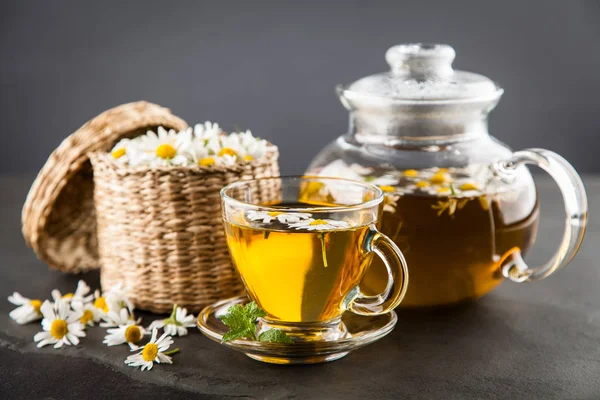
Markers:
<point>423,73</point>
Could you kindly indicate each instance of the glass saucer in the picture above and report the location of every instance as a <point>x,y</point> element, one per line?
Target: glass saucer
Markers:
<point>363,331</point>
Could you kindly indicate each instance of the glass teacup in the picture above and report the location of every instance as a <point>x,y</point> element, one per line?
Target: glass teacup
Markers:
<point>302,256</point>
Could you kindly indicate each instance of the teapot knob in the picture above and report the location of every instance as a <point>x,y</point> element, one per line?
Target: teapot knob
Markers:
<point>421,61</point>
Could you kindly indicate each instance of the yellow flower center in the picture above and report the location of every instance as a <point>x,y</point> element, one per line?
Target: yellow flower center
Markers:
<point>422,184</point>
<point>443,170</point>
<point>411,173</point>
<point>248,157</point>
<point>206,161</point>
<point>318,222</point>
<point>166,151</point>
<point>227,150</point>
<point>36,304</point>
<point>133,334</point>
<point>87,316</point>
<point>274,213</point>
<point>469,186</point>
<point>58,329</point>
<point>100,303</point>
<point>439,177</point>
<point>387,189</point>
<point>68,296</point>
<point>118,153</point>
<point>444,190</point>
<point>150,352</point>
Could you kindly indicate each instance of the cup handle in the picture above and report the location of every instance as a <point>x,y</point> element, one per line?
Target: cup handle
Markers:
<point>575,200</point>
<point>397,272</point>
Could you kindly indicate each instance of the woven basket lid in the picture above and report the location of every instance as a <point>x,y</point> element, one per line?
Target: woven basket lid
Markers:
<point>59,221</point>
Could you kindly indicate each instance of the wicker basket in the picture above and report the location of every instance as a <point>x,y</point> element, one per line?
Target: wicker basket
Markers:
<point>156,230</point>
<point>160,230</point>
<point>59,221</point>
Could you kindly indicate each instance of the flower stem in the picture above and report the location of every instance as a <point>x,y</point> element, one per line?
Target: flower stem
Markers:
<point>171,352</point>
<point>323,249</point>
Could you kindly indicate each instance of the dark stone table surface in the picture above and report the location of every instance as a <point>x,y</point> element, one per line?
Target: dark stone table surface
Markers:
<point>539,340</point>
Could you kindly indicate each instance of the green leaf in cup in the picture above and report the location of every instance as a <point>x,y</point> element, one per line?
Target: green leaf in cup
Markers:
<point>241,321</point>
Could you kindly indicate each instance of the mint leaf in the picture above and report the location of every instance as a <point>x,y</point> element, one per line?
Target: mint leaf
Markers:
<point>275,336</point>
<point>253,312</point>
<point>239,334</point>
<point>242,321</point>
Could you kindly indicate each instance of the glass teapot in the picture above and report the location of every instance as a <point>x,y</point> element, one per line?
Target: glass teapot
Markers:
<point>460,205</point>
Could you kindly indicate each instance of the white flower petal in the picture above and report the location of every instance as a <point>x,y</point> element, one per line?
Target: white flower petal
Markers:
<point>164,359</point>
<point>17,299</point>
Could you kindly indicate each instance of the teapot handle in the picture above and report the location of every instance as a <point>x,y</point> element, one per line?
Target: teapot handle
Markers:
<point>575,200</point>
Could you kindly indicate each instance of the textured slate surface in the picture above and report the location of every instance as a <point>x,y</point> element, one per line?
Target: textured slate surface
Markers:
<point>538,340</point>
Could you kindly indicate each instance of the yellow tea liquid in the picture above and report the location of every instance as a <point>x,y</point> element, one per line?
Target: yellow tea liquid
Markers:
<point>284,269</point>
<point>453,244</point>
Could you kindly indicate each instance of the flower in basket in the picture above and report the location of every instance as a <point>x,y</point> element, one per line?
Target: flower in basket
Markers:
<point>204,145</point>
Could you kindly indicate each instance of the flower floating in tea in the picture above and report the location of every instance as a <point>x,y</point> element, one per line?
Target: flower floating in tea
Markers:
<point>454,186</point>
<point>242,320</point>
<point>205,145</point>
<point>284,218</point>
<point>312,224</point>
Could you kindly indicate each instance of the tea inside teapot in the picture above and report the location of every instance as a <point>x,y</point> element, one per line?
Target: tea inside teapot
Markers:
<point>453,225</point>
<point>460,205</point>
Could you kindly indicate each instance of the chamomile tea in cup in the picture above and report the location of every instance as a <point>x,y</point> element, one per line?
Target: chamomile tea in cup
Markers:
<point>302,254</point>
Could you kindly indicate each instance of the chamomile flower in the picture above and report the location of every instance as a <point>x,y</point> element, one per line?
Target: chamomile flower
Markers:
<point>227,149</point>
<point>28,310</point>
<point>100,303</point>
<point>437,190</point>
<point>467,188</point>
<point>60,324</point>
<point>119,151</point>
<point>90,314</point>
<point>154,351</point>
<point>207,130</point>
<point>440,177</point>
<point>391,196</point>
<point>312,224</point>
<point>176,324</point>
<point>114,319</point>
<point>201,155</point>
<point>267,217</point>
<point>162,148</point>
<point>130,334</point>
<point>227,159</point>
<point>81,294</point>
<point>383,180</point>
<point>204,145</point>
<point>255,147</point>
<point>116,298</point>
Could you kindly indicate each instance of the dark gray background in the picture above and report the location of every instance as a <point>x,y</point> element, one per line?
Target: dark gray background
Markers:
<point>272,66</point>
